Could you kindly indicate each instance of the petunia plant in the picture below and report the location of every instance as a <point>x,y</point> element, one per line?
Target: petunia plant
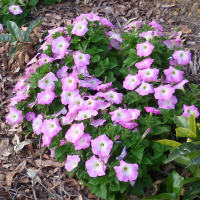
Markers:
<point>100,99</point>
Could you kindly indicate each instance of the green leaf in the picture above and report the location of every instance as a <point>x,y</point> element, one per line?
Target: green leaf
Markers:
<point>184,132</point>
<point>192,124</point>
<point>110,76</point>
<point>34,24</point>
<point>170,143</point>
<point>182,150</point>
<point>195,161</point>
<point>6,38</point>
<point>174,183</point>
<point>14,30</point>
<point>192,191</point>
<point>33,3</point>
<point>182,121</point>
<point>163,196</point>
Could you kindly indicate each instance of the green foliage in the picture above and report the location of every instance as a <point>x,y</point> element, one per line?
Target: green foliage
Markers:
<point>17,37</point>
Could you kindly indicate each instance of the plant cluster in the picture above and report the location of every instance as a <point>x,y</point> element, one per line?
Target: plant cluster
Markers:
<point>100,99</point>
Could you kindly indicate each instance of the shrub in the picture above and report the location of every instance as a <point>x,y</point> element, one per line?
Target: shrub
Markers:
<point>101,99</point>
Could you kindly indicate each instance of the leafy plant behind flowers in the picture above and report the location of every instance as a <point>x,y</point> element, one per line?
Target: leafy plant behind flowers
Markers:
<point>17,37</point>
<point>100,100</point>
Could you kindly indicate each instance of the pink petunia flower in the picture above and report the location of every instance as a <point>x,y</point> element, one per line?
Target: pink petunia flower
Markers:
<point>180,86</point>
<point>131,82</point>
<point>72,162</point>
<point>164,92</point>
<point>83,142</point>
<point>80,28</point>
<point>148,74</point>
<point>173,75</point>
<point>75,132</point>
<point>120,114</point>
<point>37,124</point>
<point>182,57</point>
<point>135,113</point>
<point>152,110</point>
<point>144,49</point>
<point>85,114</point>
<point>102,105</point>
<point>101,146</point>
<point>126,171</point>
<point>30,116</point>
<point>188,110</point>
<point>91,83</point>
<point>123,154</point>
<point>156,25</point>
<point>89,104</point>
<point>173,43</point>
<point>145,89</point>
<point>15,9</point>
<point>135,24</point>
<point>44,59</point>
<point>144,64</point>
<point>147,35</point>
<point>81,59</point>
<point>68,96</point>
<point>103,86</point>
<point>69,83</point>
<point>59,46</point>
<point>1,27</point>
<point>168,104</point>
<point>47,81</point>
<point>98,122</point>
<point>51,127</point>
<point>128,125</point>
<point>62,73</point>
<point>76,103</point>
<point>113,97</point>
<point>15,116</point>
<point>45,97</point>
<point>46,140</point>
<point>115,36</point>
<point>95,167</point>
<point>105,22</point>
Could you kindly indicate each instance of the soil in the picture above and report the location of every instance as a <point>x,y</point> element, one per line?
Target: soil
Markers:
<point>27,171</point>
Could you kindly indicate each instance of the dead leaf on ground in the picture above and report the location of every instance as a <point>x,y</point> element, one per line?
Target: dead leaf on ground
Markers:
<point>4,147</point>
<point>10,175</point>
<point>185,29</point>
<point>48,163</point>
<point>22,144</point>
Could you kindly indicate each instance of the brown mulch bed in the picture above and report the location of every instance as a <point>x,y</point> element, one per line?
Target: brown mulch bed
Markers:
<point>31,173</point>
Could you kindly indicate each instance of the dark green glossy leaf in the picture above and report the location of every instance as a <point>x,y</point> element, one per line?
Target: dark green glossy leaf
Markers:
<point>174,183</point>
<point>193,191</point>
<point>182,150</point>
<point>195,161</point>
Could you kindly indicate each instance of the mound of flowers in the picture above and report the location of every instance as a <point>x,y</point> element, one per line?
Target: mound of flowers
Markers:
<point>100,99</point>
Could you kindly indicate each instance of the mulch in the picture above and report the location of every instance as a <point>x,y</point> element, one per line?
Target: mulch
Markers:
<point>27,171</point>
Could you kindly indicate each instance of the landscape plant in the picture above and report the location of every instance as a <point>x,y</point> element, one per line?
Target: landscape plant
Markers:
<point>101,101</point>
<point>18,38</point>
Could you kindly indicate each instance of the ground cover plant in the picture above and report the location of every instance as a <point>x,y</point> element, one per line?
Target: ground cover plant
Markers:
<point>101,101</point>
